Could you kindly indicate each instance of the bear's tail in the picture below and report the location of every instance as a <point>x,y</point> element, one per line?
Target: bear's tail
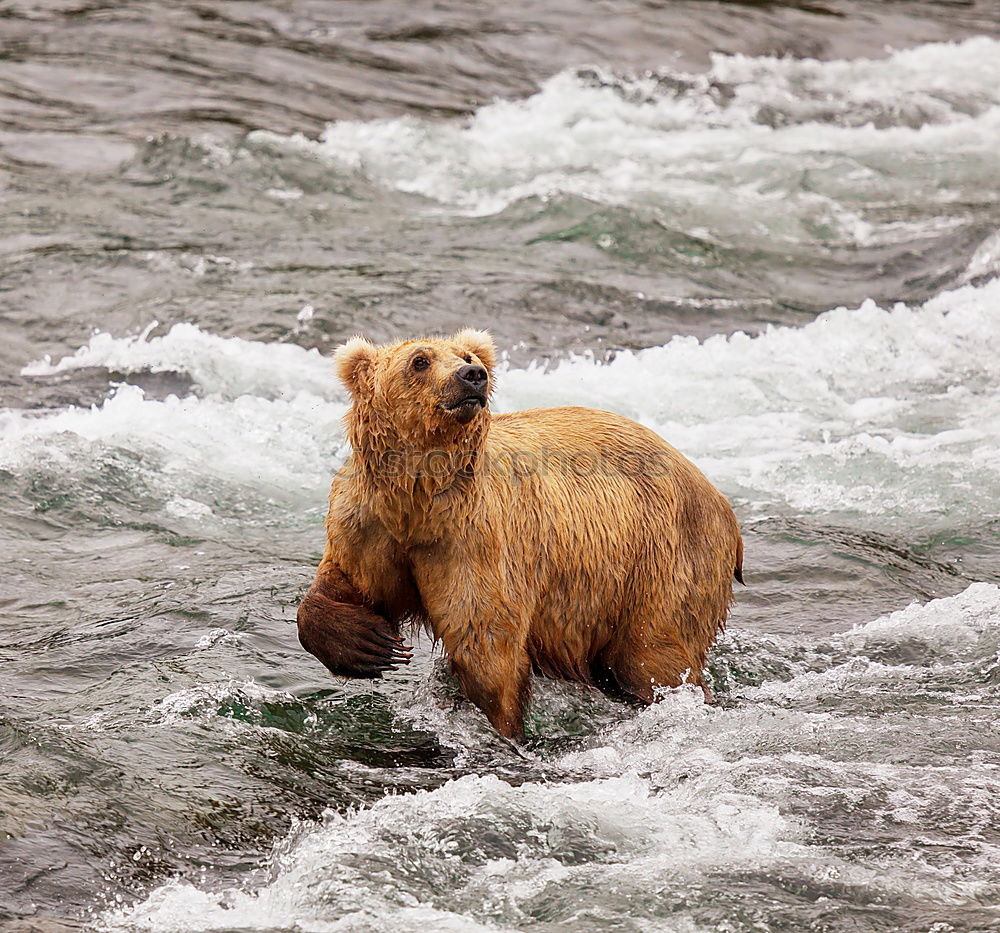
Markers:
<point>738,572</point>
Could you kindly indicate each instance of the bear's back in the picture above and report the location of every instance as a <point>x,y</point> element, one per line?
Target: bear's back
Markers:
<point>579,443</point>
<point>606,515</point>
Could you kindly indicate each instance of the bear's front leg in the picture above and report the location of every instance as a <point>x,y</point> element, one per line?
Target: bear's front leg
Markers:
<point>346,636</point>
<point>493,668</point>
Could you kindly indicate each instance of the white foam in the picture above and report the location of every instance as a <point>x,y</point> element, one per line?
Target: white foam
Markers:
<point>184,448</point>
<point>229,366</point>
<point>692,148</point>
<point>985,261</point>
<point>208,697</point>
<point>858,675</point>
<point>862,412</point>
<point>479,846</point>
<point>873,411</point>
<point>955,623</point>
<point>202,701</point>
<point>937,639</point>
<point>217,636</point>
<point>188,508</point>
<point>677,793</point>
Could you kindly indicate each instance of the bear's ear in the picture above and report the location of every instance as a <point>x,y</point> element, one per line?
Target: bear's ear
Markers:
<point>479,342</point>
<point>353,361</point>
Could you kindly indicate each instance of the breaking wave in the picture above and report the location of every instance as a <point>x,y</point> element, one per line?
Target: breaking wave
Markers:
<point>643,811</point>
<point>863,412</point>
<point>776,146</point>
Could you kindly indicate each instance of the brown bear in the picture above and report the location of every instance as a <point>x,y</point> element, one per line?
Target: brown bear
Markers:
<point>568,541</point>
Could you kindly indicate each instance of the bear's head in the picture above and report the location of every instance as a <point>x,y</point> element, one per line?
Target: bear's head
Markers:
<point>418,393</point>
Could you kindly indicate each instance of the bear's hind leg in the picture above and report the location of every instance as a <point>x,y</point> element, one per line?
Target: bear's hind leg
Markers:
<point>642,663</point>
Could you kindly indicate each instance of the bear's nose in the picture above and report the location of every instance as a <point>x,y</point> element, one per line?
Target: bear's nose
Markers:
<point>473,376</point>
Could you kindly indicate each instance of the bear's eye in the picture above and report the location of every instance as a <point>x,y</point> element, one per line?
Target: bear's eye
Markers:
<point>421,363</point>
<point>468,358</point>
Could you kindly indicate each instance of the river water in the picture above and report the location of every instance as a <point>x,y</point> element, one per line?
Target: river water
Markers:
<point>784,258</point>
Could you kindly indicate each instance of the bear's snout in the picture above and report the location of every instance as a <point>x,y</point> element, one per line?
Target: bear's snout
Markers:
<point>469,387</point>
<point>473,377</point>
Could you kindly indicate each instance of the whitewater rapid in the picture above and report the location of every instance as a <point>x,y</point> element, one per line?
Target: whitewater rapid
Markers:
<point>755,149</point>
<point>640,819</point>
<point>178,762</point>
<point>885,418</point>
<point>888,412</point>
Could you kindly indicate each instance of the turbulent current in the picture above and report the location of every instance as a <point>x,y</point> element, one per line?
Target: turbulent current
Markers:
<point>787,266</point>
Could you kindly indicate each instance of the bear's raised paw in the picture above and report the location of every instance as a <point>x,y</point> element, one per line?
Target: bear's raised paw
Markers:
<point>351,641</point>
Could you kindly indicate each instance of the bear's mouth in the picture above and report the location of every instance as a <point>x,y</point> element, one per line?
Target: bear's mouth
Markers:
<point>466,408</point>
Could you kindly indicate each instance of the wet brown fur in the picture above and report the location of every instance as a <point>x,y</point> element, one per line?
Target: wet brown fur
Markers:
<point>568,541</point>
